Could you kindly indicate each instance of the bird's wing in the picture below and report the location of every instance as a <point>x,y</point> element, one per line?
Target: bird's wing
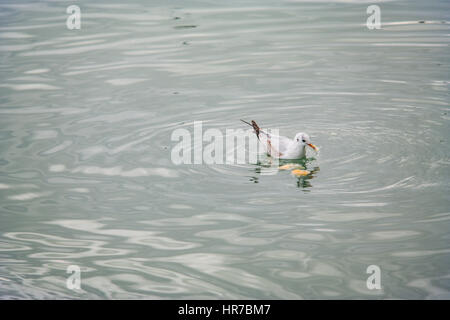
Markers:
<point>276,145</point>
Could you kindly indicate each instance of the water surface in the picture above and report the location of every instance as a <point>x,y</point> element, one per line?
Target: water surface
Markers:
<point>86,176</point>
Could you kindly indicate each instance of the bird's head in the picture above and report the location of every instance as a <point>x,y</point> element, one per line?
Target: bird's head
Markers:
<point>304,140</point>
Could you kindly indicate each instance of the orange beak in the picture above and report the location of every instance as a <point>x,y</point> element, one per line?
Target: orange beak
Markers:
<point>312,146</point>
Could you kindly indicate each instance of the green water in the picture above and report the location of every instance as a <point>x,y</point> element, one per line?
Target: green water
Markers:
<point>87,179</point>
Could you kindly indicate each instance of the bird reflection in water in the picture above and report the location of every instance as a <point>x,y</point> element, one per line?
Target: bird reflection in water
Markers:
<point>268,167</point>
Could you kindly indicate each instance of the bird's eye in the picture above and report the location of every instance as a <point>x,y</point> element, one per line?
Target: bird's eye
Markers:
<point>297,139</point>
<point>303,140</point>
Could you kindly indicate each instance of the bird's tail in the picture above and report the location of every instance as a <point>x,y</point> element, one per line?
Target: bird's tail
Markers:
<point>255,127</point>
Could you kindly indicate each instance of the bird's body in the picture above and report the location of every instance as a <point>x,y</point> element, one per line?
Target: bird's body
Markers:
<point>282,147</point>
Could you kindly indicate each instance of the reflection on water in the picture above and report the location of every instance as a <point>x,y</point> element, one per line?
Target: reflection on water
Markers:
<point>269,166</point>
<point>304,182</point>
<point>85,150</point>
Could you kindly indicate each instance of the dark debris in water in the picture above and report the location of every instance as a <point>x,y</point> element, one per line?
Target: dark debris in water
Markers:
<point>424,21</point>
<point>254,179</point>
<point>186,27</point>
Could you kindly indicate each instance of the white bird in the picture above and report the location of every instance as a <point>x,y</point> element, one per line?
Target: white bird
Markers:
<point>283,147</point>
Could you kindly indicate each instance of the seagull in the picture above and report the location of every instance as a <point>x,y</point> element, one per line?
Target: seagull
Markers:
<point>282,147</point>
